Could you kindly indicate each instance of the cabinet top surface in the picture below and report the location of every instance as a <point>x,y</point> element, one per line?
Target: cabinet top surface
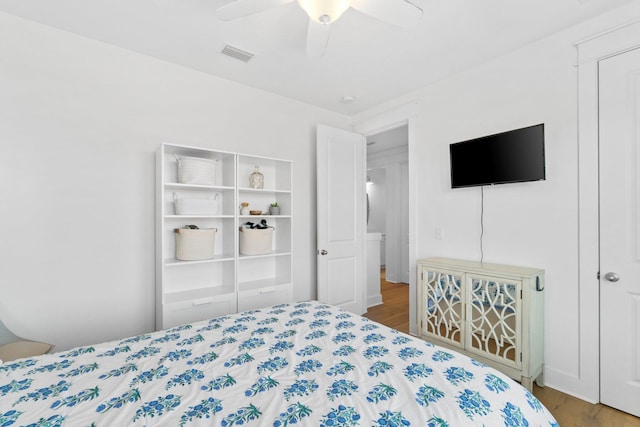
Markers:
<point>481,267</point>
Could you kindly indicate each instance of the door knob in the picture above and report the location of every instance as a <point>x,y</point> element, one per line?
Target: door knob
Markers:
<point>612,277</point>
<point>323,252</point>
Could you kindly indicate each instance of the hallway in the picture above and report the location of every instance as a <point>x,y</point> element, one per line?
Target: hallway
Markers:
<point>394,311</point>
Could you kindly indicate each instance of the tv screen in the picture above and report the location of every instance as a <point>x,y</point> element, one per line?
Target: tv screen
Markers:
<point>513,156</point>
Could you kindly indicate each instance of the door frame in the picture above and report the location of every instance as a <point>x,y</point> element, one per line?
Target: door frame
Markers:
<point>590,52</point>
<point>381,122</point>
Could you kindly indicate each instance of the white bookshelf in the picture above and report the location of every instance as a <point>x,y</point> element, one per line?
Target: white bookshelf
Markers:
<point>188,291</point>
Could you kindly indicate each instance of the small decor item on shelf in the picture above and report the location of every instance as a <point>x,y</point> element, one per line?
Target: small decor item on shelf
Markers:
<point>194,243</point>
<point>256,179</point>
<point>256,238</point>
<point>244,208</point>
<point>196,170</point>
<point>255,212</point>
<point>274,209</point>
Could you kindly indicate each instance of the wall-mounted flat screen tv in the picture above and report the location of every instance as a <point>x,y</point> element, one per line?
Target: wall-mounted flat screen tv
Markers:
<point>513,156</point>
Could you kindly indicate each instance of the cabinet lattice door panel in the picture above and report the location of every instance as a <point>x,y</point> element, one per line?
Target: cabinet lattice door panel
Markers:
<point>494,319</point>
<point>443,300</point>
<point>491,312</point>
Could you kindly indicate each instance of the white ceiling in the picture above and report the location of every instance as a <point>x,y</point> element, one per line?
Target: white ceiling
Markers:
<point>366,59</point>
<point>390,139</point>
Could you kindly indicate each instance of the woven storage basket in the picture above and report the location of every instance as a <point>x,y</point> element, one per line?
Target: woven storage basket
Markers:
<point>195,245</point>
<point>196,170</point>
<point>255,241</point>
<point>191,206</point>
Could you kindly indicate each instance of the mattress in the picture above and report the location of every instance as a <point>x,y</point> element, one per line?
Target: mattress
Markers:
<point>306,364</point>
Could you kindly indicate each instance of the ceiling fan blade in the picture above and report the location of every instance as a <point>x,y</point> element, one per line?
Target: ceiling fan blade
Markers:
<point>317,39</point>
<point>401,13</point>
<point>240,8</point>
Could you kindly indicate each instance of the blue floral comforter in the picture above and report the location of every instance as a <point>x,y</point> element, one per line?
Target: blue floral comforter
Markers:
<point>305,364</point>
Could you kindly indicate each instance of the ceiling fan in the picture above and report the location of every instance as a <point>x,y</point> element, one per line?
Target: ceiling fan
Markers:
<point>323,13</point>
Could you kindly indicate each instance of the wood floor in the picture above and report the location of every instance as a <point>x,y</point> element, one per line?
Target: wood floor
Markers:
<point>568,410</point>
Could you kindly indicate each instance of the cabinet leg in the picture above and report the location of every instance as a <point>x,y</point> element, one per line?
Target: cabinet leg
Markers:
<point>527,383</point>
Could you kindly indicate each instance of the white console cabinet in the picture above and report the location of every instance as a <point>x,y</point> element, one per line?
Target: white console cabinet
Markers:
<point>492,313</point>
<point>188,291</point>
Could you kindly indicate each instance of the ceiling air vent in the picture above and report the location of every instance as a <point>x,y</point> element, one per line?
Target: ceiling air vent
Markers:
<point>236,53</point>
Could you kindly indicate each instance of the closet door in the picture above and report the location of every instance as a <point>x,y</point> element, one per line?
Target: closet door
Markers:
<point>620,231</point>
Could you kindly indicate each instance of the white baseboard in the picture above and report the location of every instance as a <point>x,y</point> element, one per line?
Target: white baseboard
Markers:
<point>374,300</point>
<point>572,385</point>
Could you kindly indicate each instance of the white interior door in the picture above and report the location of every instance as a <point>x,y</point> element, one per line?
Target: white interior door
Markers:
<point>341,218</point>
<point>619,100</point>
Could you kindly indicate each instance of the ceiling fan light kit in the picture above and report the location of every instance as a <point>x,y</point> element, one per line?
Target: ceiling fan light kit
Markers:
<point>324,11</point>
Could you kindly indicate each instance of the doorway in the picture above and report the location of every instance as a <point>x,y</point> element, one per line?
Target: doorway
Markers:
<point>388,213</point>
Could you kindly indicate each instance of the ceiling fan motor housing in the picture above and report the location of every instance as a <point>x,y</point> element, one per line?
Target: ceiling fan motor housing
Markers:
<point>324,11</point>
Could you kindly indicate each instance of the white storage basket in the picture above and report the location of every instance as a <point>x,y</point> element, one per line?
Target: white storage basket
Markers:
<point>196,170</point>
<point>189,206</point>
<point>195,244</point>
<point>254,241</point>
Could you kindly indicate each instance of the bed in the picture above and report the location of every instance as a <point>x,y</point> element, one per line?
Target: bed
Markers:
<point>307,364</point>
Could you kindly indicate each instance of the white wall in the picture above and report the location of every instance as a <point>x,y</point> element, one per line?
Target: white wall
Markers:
<point>529,224</point>
<point>80,122</point>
